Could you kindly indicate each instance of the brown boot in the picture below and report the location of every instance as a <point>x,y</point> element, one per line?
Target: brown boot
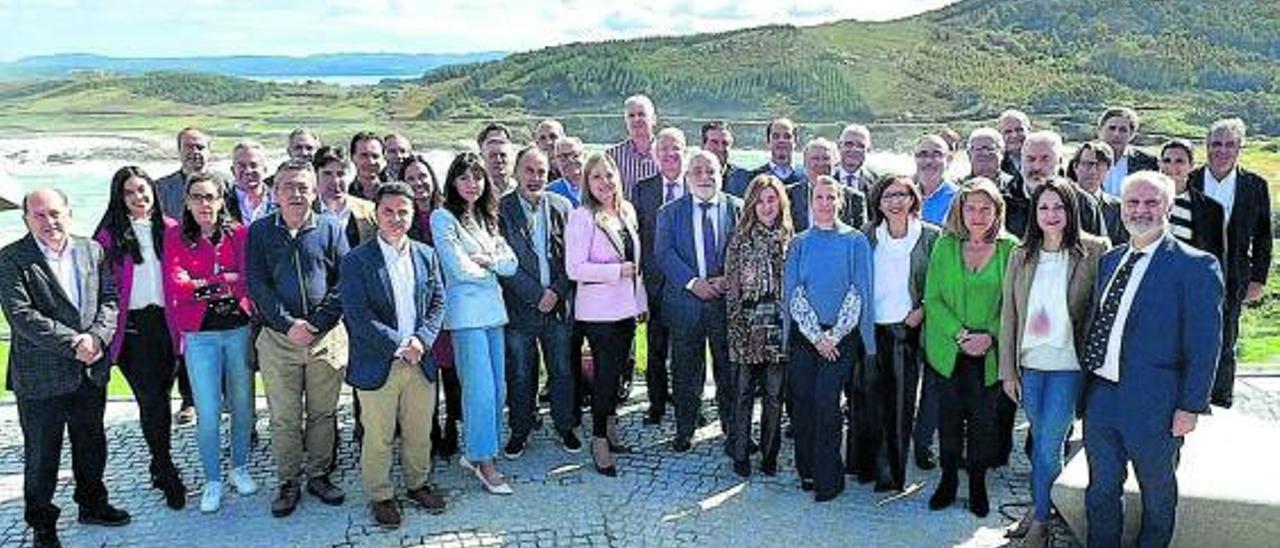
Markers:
<point>386,513</point>
<point>429,499</point>
<point>602,457</point>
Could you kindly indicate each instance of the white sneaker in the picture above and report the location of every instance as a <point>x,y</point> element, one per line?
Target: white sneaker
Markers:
<point>243,481</point>
<point>211,500</point>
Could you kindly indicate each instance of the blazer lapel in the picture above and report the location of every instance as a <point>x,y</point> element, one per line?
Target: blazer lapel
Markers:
<point>614,238</point>
<point>379,264</point>
<point>42,266</point>
<point>1152,282</point>
<point>87,271</point>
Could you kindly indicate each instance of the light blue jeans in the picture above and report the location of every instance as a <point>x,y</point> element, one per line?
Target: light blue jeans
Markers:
<point>212,356</point>
<point>1049,399</point>
<point>478,355</point>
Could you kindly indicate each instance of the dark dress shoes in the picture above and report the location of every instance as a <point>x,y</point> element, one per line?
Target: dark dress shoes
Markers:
<point>742,468</point>
<point>103,514</point>
<point>386,513</point>
<point>46,538</point>
<point>323,489</point>
<point>429,499</point>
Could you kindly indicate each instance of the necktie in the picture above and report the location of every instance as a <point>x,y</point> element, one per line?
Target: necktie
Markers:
<point>710,257</point>
<point>1095,349</point>
<point>671,193</point>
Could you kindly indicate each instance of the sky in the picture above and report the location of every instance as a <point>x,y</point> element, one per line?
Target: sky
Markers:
<point>137,28</point>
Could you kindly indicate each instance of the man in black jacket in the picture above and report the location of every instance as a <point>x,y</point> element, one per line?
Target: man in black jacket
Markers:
<point>1117,127</point>
<point>1247,205</point>
<point>1041,157</point>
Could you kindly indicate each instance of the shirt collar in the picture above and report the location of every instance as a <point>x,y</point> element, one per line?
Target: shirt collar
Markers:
<point>1230,178</point>
<point>307,224</point>
<point>389,251</point>
<point>49,253</point>
<point>714,200</point>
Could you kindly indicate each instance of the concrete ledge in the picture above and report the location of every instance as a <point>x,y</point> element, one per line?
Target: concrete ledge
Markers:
<point>1228,481</point>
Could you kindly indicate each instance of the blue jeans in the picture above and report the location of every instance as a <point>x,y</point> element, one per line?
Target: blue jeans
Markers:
<point>522,376</point>
<point>478,356</point>
<point>1049,399</point>
<point>213,356</point>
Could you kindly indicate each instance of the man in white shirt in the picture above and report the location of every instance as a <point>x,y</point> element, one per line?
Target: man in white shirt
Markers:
<point>249,167</point>
<point>390,362</point>
<point>1117,127</point>
<point>1151,350</point>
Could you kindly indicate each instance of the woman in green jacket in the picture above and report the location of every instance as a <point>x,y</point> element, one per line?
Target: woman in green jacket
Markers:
<point>962,303</point>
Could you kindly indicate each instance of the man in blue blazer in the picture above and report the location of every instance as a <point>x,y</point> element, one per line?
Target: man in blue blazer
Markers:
<point>691,237</point>
<point>1151,352</point>
<point>393,307</point>
<point>539,304</point>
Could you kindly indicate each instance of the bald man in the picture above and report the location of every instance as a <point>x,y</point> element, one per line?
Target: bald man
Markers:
<point>61,306</point>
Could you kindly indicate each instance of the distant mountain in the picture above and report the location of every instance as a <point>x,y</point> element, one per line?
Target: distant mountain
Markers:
<point>334,64</point>
<point>1183,61</point>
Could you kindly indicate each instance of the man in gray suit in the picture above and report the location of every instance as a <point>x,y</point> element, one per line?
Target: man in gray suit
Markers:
<point>61,307</point>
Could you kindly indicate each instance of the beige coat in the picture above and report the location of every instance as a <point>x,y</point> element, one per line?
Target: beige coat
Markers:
<point>1017,286</point>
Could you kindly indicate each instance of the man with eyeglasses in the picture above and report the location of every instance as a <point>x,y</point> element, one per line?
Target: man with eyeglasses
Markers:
<point>855,143</point>
<point>986,150</point>
<point>931,155</point>
<point>568,158</point>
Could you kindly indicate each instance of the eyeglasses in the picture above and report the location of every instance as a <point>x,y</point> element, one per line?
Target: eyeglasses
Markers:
<point>931,154</point>
<point>201,198</point>
<point>896,195</point>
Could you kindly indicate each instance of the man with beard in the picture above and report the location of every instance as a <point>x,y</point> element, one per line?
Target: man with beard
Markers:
<point>293,260</point>
<point>1246,204</point>
<point>855,143</point>
<point>366,152</point>
<point>1151,350</point>
<point>1041,158</point>
<point>819,157</point>
<point>634,156</point>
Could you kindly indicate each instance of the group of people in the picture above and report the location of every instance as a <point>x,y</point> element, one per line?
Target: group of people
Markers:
<point>875,311</point>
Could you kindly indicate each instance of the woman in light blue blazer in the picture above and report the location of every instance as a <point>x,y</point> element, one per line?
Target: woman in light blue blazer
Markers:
<point>472,256</point>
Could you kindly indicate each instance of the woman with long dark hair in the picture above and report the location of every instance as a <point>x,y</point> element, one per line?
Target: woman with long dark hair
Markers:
<point>885,400</point>
<point>132,234</point>
<point>1043,322</point>
<point>417,172</point>
<point>962,303</point>
<point>602,254</point>
<point>208,305</point>
<point>472,256</point>
<point>753,265</point>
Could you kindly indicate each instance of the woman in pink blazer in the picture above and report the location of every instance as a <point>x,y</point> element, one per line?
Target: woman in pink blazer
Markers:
<point>602,254</point>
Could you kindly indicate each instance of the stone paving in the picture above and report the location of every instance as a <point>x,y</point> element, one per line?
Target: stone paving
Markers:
<point>660,498</point>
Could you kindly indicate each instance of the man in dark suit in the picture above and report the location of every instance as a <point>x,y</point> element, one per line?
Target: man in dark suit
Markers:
<point>819,157</point>
<point>1150,354</point>
<point>780,135</point>
<point>61,306</point>
<point>1246,203</point>
<point>855,143</point>
<point>393,308</point>
<point>539,303</point>
<point>1041,159</point>
<point>648,196</point>
<point>1117,127</point>
<point>367,154</point>
<point>692,234</point>
<point>1013,125</point>
<point>718,139</point>
<point>1088,168</point>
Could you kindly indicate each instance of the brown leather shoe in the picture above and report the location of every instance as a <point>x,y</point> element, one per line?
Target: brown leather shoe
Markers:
<point>386,513</point>
<point>429,499</point>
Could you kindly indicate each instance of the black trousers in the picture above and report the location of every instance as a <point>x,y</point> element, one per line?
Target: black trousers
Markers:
<point>927,410</point>
<point>610,347</point>
<point>884,405</point>
<point>43,421</point>
<point>816,385</point>
<point>581,384</point>
<point>657,373</point>
<point>1225,379</point>
<point>1006,415</point>
<point>967,413</point>
<point>752,380</point>
<point>689,372</point>
<point>149,366</point>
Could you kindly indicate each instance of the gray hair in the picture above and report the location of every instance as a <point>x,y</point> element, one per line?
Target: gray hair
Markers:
<point>1047,137</point>
<point>1234,126</point>
<point>987,132</point>
<point>670,132</point>
<point>641,100</point>
<point>250,146</point>
<point>1160,181</point>
<point>1014,114</point>
<point>818,142</point>
<point>856,128</point>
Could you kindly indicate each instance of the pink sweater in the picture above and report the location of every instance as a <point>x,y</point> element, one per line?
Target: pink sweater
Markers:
<point>188,267</point>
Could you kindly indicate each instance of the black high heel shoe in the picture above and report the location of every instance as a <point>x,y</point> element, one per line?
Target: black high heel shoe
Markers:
<point>608,471</point>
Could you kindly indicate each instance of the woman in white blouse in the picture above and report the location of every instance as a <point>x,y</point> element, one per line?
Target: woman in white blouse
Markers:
<point>132,235</point>
<point>1047,287</point>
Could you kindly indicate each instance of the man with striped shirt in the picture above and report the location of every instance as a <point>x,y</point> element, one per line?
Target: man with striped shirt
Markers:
<point>634,156</point>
